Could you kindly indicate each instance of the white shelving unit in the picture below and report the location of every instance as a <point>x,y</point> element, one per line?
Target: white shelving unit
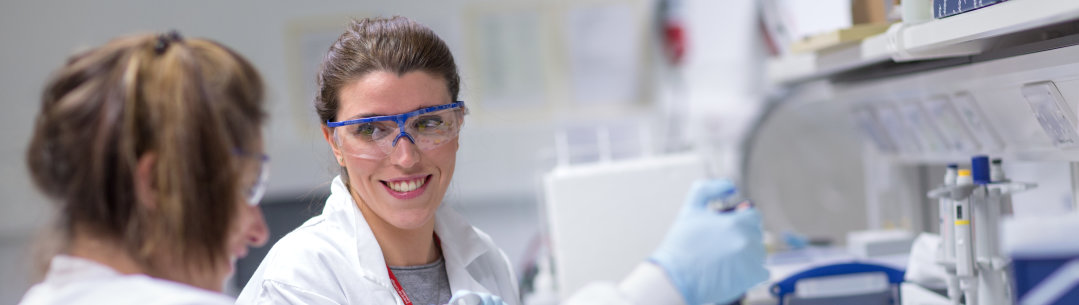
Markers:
<point>960,35</point>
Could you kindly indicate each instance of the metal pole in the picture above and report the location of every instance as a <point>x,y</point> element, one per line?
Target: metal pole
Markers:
<point>1075,185</point>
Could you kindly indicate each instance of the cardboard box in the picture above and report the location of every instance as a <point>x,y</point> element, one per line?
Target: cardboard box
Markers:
<point>869,11</point>
<point>838,37</point>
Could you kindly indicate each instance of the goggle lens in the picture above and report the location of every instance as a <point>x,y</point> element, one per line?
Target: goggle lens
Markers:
<point>378,138</point>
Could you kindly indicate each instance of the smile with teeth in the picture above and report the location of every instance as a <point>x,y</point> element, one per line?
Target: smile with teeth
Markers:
<point>406,185</point>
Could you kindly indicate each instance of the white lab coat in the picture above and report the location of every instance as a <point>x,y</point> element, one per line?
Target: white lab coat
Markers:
<point>645,285</point>
<point>334,258</point>
<point>74,281</point>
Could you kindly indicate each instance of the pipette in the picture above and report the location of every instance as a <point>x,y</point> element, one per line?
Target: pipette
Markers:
<point>964,252</point>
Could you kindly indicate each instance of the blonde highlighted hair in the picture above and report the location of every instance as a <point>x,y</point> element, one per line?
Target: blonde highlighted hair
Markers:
<point>193,103</point>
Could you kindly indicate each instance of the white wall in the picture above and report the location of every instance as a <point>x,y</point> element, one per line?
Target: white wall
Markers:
<point>724,78</point>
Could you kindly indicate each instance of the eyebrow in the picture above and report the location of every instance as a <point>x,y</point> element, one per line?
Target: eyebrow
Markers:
<point>371,115</point>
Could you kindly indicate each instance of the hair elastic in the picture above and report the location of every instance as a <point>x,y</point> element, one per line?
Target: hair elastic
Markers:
<point>166,39</point>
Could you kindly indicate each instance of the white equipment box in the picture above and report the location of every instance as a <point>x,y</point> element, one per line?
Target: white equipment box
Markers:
<point>606,218</point>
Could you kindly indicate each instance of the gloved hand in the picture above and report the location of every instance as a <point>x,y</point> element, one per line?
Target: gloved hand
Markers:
<point>467,297</point>
<point>713,257</point>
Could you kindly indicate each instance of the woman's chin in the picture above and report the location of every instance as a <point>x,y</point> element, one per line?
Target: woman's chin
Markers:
<point>413,219</point>
<point>221,275</point>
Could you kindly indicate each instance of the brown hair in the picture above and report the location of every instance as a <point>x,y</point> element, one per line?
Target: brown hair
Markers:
<point>396,44</point>
<point>192,102</point>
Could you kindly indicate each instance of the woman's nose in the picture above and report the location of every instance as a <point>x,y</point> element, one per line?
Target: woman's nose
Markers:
<point>405,153</point>
<point>256,232</point>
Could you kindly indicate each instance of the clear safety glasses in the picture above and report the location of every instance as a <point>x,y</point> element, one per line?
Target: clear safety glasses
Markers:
<point>376,137</point>
<point>258,186</point>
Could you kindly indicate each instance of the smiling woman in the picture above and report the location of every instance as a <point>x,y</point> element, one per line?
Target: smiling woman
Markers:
<point>386,187</point>
<point>388,108</point>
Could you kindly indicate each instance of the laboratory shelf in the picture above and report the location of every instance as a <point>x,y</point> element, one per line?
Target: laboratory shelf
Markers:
<point>960,35</point>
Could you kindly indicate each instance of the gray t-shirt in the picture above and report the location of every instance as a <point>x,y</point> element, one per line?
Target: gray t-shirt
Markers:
<point>424,284</point>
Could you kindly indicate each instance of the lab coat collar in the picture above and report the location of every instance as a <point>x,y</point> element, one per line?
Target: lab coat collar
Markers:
<point>64,269</point>
<point>462,248</point>
<point>368,252</point>
<point>461,245</point>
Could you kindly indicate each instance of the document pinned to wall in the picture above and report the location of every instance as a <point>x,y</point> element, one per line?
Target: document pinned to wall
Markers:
<point>605,52</point>
<point>949,124</point>
<point>872,130</point>
<point>307,41</point>
<point>312,48</point>
<point>975,120</point>
<point>509,52</point>
<point>905,140</point>
<point>921,125</point>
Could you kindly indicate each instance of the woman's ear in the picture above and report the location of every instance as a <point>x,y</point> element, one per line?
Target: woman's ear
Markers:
<point>327,133</point>
<point>145,189</point>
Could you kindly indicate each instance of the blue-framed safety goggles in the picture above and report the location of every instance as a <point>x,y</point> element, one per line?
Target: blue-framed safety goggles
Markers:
<point>376,137</point>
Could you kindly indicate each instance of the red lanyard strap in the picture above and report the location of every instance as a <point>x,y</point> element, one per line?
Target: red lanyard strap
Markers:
<point>397,285</point>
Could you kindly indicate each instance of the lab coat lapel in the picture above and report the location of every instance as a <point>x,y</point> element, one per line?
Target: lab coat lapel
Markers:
<point>367,249</point>
<point>461,246</point>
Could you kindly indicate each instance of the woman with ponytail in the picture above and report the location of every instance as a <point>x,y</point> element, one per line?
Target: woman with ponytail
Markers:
<point>151,148</point>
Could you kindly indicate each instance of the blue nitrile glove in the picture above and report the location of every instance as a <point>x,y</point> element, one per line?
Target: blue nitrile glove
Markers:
<point>713,257</point>
<point>467,297</point>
